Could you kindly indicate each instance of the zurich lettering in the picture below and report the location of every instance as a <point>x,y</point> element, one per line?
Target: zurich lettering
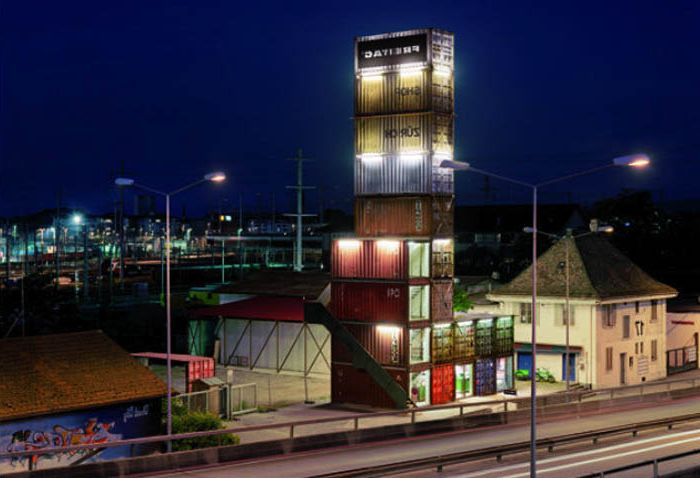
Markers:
<point>384,52</point>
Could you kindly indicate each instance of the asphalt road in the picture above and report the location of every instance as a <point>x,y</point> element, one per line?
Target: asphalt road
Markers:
<point>568,462</point>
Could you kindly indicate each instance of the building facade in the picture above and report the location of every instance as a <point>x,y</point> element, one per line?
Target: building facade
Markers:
<point>617,324</point>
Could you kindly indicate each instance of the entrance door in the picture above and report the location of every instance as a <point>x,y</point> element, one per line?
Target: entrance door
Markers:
<point>623,369</point>
<point>572,367</point>
<point>525,362</point>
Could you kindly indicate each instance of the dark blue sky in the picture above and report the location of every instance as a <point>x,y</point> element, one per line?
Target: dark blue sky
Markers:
<point>175,89</point>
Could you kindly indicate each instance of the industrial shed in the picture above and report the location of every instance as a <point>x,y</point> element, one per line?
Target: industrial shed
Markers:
<point>269,334</point>
<point>69,389</point>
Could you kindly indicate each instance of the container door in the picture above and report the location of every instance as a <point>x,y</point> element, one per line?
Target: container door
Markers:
<point>525,362</point>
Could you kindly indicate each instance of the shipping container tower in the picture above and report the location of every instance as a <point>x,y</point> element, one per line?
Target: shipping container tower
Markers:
<point>393,283</point>
<point>395,340</point>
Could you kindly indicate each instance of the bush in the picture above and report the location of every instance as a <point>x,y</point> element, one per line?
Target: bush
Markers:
<point>185,421</point>
<point>460,300</point>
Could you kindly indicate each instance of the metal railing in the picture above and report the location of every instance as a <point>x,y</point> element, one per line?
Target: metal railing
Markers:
<point>550,405</point>
<point>653,463</point>
<point>225,401</point>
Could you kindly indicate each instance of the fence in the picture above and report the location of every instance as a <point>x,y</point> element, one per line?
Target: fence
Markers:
<point>225,401</point>
<point>681,360</point>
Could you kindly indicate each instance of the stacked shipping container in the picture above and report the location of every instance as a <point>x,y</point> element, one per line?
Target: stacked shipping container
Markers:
<point>392,286</point>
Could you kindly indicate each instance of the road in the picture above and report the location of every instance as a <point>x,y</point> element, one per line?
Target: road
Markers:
<point>573,460</point>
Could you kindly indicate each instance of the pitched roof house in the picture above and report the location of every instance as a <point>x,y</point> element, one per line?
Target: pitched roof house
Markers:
<point>617,318</point>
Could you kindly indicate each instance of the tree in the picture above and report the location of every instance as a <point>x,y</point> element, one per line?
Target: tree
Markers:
<point>460,300</point>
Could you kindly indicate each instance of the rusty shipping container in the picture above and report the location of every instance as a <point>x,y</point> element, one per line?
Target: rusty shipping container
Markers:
<point>401,175</point>
<point>443,384</point>
<point>441,301</point>
<point>370,302</point>
<point>407,134</point>
<point>351,385</point>
<point>369,259</point>
<point>418,89</point>
<point>404,216</point>
<point>386,343</point>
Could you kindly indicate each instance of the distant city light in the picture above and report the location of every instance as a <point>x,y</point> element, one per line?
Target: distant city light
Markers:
<point>77,219</point>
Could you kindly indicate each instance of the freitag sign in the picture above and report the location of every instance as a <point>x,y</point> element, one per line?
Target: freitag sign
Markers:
<point>392,51</point>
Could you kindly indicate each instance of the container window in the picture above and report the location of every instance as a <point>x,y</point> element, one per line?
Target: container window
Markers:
<point>420,345</point>
<point>442,344</point>
<point>419,307</point>
<point>504,374</point>
<point>420,388</point>
<point>464,381</point>
<point>443,258</point>
<point>418,259</point>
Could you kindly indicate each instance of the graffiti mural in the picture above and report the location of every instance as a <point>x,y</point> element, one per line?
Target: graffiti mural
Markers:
<point>101,426</point>
<point>91,432</point>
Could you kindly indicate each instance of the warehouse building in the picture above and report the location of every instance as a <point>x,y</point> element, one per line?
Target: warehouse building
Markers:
<point>70,389</point>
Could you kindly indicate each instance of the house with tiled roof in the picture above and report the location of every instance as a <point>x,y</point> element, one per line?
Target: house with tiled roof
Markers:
<point>74,388</point>
<point>617,318</point>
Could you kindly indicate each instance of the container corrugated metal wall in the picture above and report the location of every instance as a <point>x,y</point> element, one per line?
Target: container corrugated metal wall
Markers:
<point>410,133</point>
<point>370,301</point>
<point>404,216</point>
<point>394,92</point>
<point>368,259</point>
<point>351,385</point>
<point>385,343</point>
<point>443,384</point>
<point>485,377</point>
<point>441,301</point>
<point>394,175</point>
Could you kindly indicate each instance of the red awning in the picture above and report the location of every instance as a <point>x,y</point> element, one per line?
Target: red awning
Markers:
<point>283,309</point>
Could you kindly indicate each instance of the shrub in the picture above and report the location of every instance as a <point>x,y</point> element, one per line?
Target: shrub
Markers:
<point>185,421</point>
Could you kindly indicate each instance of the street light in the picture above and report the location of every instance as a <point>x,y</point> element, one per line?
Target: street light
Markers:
<point>569,237</point>
<point>216,177</point>
<point>633,160</point>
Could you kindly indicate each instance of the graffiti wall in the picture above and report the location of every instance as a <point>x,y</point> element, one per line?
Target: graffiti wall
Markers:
<point>97,426</point>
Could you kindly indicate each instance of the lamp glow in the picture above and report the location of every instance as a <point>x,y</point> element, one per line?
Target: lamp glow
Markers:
<point>124,182</point>
<point>371,158</point>
<point>388,246</point>
<point>348,244</point>
<point>216,177</point>
<point>388,329</point>
<point>410,157</point>
<point>77,219</point>
<point>633,161</point>
<point>456,165</point>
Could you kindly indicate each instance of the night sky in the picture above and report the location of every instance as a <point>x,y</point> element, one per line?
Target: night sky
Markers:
<point>176,89</point>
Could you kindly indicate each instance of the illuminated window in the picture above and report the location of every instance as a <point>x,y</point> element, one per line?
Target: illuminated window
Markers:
<point>418,259</point>
<point>419,305</point>
<point>420,345</point>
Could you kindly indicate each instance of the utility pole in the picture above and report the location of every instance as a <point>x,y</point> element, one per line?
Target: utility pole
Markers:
<point>298,246</point>
<point>120,225</point>
<point>86,264</point>
<point>56,240</point>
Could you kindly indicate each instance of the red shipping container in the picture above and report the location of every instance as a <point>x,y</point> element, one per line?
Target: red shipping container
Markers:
<point>351,385</point>
<point>369,259</point>
<point>404,216</point>
<point>201,367</point>
<point>441,301</point>
<point>443,384</point>
<point>385,343</point>
<point>370,301</point>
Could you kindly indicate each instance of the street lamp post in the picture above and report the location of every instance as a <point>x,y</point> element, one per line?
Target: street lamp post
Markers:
<point>127,182</point>
<point>634,160</point>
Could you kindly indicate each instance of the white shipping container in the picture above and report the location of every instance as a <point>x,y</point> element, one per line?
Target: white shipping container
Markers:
<point>401,174</point>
